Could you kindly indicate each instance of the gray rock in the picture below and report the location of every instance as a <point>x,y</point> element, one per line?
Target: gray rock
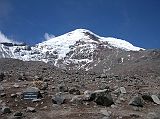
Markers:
<point>136,101</point>
<point>147,97</point>
<point>2,76</point>
<point>158,96</point>
<point>38,78</point>
<point>102,97</point>
<point>19,114</point>
<point>31,109</point>
<point>87,95</point>
<point>16,85</point>
<point>74,91</point>
<point>2,94</point>
<point>36,100</point>
<point>5,110</point>
<point>13,95</point>
<point>58,99</point>
<point>78,99</point>
<point>123,90</point>
<point>63,88</point>
<point>156,99</point>
<point>1,88</point>
<point>117,92</point>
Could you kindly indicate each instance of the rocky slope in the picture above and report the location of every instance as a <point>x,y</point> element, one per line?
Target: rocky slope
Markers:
<point>78,94</point>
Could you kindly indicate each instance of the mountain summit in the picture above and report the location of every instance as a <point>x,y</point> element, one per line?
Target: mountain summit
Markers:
<point>80,48</point>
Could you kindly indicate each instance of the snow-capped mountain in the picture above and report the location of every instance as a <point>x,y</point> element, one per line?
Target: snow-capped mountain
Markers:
<point>76,49</point>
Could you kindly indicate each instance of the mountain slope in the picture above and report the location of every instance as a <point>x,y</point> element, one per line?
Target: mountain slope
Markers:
<point>78,49</point>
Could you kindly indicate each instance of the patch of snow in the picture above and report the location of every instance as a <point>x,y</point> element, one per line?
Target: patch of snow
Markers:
<point>122,44</point>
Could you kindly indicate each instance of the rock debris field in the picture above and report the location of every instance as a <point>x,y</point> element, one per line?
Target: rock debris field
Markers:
<point>35,90</point>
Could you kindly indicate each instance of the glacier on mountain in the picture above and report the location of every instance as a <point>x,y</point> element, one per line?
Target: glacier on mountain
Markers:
<point>71,48</point>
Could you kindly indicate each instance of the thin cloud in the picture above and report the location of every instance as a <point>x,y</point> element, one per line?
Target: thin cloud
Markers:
<point>48,36</point>
<point>5,39</point>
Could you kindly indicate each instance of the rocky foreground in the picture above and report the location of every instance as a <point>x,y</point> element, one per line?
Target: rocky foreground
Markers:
<point>64,94</point>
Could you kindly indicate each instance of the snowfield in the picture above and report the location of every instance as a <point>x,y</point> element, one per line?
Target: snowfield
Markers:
<point>75,47</point>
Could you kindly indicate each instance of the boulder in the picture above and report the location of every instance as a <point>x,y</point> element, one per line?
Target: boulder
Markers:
<point>58,99</point>
<point>102,97</point>
<point>74,91</point>
<point>147,96</point>
<point>156,99</point>
<point>87,95</point>
<point>2,94</point>
<point>16,85</point>
<point>5,110</point>
<point>63,88</point>
<point>36,100</point>
<point>123,90</point>
<point>38,78</point>
<point>31,109</point>
<point>13,95</point>
<point>18,114</point>
<point>136,101</point>
<point>78,99</point>
<point>1,88</point>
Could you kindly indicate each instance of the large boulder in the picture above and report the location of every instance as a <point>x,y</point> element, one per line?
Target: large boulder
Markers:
<point>136,101</point>
<point>102,97</point>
